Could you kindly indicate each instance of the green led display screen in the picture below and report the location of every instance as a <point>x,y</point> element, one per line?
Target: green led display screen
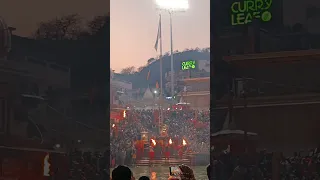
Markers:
<point>187,65</point>
<point>237,15</point>
<point>244,12</point>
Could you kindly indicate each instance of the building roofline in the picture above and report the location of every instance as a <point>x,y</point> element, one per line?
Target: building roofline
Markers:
<point>272,55</point>
<point>196,79</point>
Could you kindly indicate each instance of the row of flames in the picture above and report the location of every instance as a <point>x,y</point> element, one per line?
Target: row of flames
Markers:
<point>184,142</point>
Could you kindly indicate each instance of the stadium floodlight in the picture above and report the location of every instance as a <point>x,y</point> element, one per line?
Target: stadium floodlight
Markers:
<point>173,5</point>
<point>169,6</point>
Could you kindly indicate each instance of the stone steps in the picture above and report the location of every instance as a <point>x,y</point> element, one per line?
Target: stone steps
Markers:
<point>163,161</point>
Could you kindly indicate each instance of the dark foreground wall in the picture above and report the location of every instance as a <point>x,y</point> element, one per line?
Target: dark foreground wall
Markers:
<point>282,128</point>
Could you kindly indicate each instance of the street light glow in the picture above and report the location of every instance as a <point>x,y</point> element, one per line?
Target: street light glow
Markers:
<point>173,5</point>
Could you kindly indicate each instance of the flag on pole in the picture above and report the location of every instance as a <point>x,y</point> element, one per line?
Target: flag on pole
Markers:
<point>148,75</point>
<point>158,35</point>
<point>157,85</point>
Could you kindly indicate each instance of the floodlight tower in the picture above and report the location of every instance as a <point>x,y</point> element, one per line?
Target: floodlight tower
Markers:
<point>172,6</point>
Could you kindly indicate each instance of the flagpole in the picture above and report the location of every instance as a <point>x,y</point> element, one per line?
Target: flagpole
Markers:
<point>171,50</point>
<point>161,75</point>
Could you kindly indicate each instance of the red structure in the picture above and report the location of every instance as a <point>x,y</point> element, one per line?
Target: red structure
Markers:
<point>37,162</point>
<point>21,157</point>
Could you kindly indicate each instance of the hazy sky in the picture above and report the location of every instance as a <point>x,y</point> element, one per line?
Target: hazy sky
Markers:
<point>26,14</point>
<point>134,26</point>
<point>133,23</point>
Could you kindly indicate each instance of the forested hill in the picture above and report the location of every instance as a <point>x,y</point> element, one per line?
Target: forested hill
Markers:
<point>138,79</point>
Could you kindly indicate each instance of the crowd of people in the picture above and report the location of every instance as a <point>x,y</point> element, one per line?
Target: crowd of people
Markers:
<point>300,166</point>
<point>88,165</point>
<point>259,166</point>
<point>125,173</point>
<point>191,125</point>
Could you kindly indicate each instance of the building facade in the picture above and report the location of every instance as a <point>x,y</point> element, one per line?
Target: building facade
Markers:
<point>274,101</point>
<point>120,91</point>
<point>196,93</point>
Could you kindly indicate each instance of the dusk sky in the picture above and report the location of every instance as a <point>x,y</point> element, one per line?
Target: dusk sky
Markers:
<point>134,26</point>
<point>134,23</point>
<point>26,14</point>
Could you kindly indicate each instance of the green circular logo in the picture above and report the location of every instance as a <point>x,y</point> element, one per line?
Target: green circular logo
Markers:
<point>193,66</point>
<point>266,16</point>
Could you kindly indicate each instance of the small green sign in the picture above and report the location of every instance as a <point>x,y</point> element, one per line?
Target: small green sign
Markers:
<point>186,65</point>
<point>244,12</point>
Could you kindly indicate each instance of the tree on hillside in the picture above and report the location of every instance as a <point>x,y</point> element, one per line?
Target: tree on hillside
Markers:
<point>138,80</point>
<point>128,70</point>
<point>69,27</point>
<point>96,24</point>
<point>60,28</point>
<point>140,68</point>
<point>151,60</point>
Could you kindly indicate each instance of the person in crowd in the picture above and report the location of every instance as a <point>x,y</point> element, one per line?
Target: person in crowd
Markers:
<point>246,169</point>
<point>105,175</point>
<point>209,171</point>
<point>151,153</point>
<point>166,152</point>
<point>144,178</point>
<point>134,156</point>
<point>173,178</point>
<point>122,173</point>
<point>186,173</point>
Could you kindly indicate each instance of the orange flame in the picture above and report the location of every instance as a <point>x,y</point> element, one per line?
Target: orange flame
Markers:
<point>170,141</point>
<point>153,142</point>
<point>124,114</point>
<point>153,176</point>
<point>46,165</point>
<point>184,142</point>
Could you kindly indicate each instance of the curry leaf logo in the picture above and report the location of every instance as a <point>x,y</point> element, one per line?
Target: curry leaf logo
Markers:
<point>268,4</point>
<point>266,16</point>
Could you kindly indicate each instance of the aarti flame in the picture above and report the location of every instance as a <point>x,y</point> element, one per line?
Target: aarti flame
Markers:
<point>153,176</point>
<point>153,142</point>
<point>46,165</point>
<point>113,125</point>
<point>124,114</point>
<point>184,142</point>
<point>170,141</point>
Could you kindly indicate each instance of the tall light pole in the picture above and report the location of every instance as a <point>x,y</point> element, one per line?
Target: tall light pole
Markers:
<point>172,68</point>
<point>172,6</point>
<point>161,81</point>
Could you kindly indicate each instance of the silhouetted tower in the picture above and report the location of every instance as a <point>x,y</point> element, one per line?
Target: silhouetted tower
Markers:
<point>5,38</point>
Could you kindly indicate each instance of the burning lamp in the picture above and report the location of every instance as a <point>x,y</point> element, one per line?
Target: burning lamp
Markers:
<point>46,166</point>
<point>153,175</point>
<point>124,114</point>
<point>184,143</point>
<point>153,142</point>
<point>170,141</point>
